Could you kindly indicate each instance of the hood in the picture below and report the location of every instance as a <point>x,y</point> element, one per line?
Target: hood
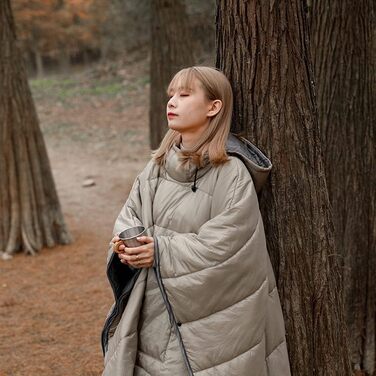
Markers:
<point>254,159</point>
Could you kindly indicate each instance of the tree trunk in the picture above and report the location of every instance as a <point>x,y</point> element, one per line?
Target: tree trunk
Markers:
<point>29,207</point>
<point>343,50</point>
<point>262,46</point>
<point>171,50</point>
<point>39,63</point>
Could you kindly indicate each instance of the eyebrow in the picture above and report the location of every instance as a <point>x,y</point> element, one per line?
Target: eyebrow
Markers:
<point>180,88</point>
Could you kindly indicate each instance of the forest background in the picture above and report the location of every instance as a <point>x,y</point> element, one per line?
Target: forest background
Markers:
<point>88,64</point>
<point>303,76</point>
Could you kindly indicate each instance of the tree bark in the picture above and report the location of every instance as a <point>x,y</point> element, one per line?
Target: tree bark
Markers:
<point>171,50</point>
<point>343,50</point>
<point>263,47</point>
<point>30,214</point>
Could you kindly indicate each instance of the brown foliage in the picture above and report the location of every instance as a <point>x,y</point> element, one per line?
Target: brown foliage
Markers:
<point>50,27</point>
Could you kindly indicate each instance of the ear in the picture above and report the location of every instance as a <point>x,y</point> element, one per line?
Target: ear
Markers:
<point>214,108</point>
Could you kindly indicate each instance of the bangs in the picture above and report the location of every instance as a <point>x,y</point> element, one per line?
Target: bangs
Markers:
<point>183,80</point>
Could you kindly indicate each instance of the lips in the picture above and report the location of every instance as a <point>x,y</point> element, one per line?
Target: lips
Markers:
<point>171,115</point>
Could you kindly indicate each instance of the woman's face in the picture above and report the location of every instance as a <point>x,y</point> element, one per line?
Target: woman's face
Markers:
<point>191,109</point>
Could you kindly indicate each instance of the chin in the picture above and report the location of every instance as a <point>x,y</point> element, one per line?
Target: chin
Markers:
<point>173,127</point>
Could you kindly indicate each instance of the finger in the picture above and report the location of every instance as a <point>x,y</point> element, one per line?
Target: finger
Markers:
<point>135,258</point>
<point>123,261</point>
<point>135,250</point>
<point>142,263</point>
<point>115,247</point>
<point>140,254</point>
<point>115,239</point>
<point>145,239</point>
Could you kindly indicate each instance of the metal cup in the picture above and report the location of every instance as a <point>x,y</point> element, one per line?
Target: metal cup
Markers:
<point>128,236</point>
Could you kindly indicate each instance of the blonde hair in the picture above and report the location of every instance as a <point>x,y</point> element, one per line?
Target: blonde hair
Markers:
<point>212,143</point>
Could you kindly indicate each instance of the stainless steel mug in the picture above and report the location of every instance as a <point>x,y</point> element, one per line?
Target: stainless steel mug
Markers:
<point>128,236</point>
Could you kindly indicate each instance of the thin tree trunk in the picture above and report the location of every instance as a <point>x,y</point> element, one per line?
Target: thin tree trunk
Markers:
<point>262,46</point>
<point>39,63</point>
<point>343,50</point>
<point>30,214</point>
<point>171,50</point>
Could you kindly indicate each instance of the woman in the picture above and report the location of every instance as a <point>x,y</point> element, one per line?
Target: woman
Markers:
<point>199,297</point>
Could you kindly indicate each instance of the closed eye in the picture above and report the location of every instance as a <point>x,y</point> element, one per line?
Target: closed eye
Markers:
<point>182,95</point>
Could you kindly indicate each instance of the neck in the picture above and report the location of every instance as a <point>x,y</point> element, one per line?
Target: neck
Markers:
<point>187,144</point>
<point>189,140</point>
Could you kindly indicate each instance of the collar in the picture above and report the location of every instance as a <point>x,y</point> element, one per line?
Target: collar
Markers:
<point>187,174</point>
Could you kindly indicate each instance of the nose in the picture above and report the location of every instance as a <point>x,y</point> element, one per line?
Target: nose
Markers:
<point>171,103</point>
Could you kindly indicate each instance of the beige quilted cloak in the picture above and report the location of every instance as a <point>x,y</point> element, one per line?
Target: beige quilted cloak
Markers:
<point>209,305</point>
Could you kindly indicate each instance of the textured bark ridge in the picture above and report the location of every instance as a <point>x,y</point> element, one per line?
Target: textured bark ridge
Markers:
<point>343,51</point>
<point>30,214</point>
<point>263,47</point>
<point>171,50</point>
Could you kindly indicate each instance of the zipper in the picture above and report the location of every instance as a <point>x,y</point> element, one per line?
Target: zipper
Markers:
<point>171,315</point>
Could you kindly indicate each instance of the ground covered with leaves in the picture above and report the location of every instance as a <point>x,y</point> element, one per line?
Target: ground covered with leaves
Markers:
<point>53,305</point>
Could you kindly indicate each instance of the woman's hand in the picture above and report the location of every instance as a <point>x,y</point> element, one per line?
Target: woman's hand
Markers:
<point>116,244</point>
<point>138,257</point>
